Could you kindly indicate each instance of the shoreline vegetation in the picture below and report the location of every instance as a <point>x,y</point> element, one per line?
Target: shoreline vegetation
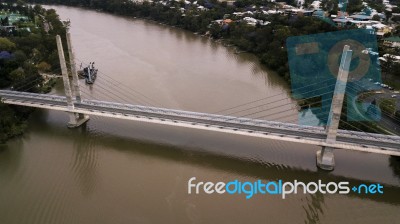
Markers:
<point>28,59</point>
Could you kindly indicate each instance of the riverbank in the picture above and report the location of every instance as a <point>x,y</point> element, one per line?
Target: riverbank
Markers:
<point>29,54</point>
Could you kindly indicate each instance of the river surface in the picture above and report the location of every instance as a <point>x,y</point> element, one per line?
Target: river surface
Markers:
<point>114,171</point>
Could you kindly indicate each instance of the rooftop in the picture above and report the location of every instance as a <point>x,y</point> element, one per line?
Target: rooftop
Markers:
<point>393,39</point>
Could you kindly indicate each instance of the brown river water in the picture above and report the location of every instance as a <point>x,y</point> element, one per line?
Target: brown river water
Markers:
<point>116,171</point>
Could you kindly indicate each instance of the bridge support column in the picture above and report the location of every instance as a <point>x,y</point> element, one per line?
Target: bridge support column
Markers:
<point>325,156</point>
<point>75,80</point>
<point>74,119</point>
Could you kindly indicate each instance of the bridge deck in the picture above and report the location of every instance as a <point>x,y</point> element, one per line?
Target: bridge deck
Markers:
<point>367,142</point>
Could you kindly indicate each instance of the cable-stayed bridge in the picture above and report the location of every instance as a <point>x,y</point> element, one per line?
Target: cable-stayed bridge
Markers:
<point>378,143</point>
<point>329,138</point>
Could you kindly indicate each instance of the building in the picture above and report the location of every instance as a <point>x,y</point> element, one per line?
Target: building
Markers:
<point>381,29</point>
<point>385,58</point>
<point>359,17</point>
<point>392,41</point>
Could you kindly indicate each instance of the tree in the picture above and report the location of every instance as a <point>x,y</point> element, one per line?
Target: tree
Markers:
<point>43,66</point>
<point>20,57</point>
<point>376,18</point>
<point>355,6</point>
<point>6,44</point>
<point>17,75</point>
<point>21,71</point>
<point>9,124</point>
<point>396,18</point>
<point>388,15</point>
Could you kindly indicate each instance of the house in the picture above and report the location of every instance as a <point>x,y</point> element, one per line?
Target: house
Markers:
<point>250,21</point>
<point>308,12</point>
<point>381,29</point>
<point>360,17</point>
<point>270,12</point>
<point>361,24</point>
<point>392,41</point>
<point>218,21</point>
<point>227,21</point>
<point>294,11</point>
<point>342,21</point>
<point>8,28</point>
<point>202,8</point>
<point>238,14</point>
<point>228,2</point>
<point>319,14</point>
<point>388,6</point>
<point>316,4</point>
<point>385,58</point>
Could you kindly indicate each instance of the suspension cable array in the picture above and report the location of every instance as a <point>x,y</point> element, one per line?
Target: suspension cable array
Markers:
<point>117,91</point>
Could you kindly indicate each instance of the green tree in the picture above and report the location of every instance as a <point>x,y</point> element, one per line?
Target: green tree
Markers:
<point>355,6</point>
<point>9,124</point>
<point>20,57</point>
<point>6,44</point>
<point>376,18</point>
<point>17,75</point>
<point>43,66</point>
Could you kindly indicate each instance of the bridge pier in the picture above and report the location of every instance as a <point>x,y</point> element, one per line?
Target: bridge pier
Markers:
<point>325,156</point>
<point>75,119</point>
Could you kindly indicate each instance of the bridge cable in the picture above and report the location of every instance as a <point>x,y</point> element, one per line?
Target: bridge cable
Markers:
<point>244,116</point>
<point>119,84</point>
<point>264,98</point>
<point>119,98</point>
<point>291,103</point>
<point>367,133</point>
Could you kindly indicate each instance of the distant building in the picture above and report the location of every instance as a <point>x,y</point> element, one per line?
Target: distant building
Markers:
<point>316,4</point>
<point>9,29</point>
<point>228,2</point>
<point>381,29</point>
<point>361,17</point>
<point>308,12</point>
<point>227,21</point>
<point>392,41</point>
<point>319,14</point>
<point>385,58</point>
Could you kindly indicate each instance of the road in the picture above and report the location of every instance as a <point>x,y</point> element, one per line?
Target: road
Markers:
<point>311,135</point>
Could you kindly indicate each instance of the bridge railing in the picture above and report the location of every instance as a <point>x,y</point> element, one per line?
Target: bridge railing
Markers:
<point>199,116</point>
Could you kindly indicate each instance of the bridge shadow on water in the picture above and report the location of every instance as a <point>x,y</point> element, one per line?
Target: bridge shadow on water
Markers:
<point>394,164</point>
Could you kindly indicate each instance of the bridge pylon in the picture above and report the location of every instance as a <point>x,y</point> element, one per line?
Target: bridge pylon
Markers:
<point>75,80</point>
<point>75,119</point>
<point>325,156</point>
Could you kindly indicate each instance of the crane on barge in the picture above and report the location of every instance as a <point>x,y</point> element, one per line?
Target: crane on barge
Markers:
<point>90,73</point>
